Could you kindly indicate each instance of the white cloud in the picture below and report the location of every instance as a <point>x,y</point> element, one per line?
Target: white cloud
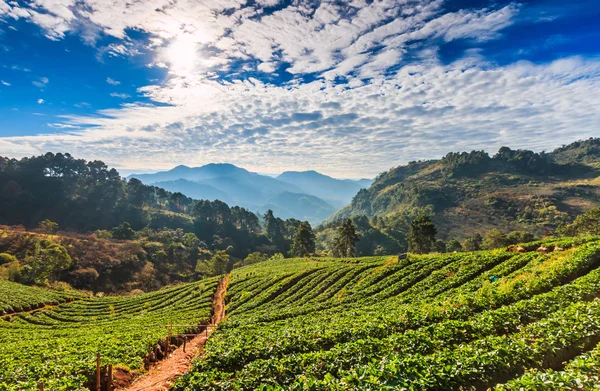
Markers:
<point>41,82</point>
<point>5,83</point>
<point>422,111</point>
<point>40,101</point>
<point>376,118</point>
<point>112,82</point>
<point>120,95</point>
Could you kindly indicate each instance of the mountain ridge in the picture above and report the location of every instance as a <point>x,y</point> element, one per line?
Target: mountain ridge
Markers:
<point>288,194</point>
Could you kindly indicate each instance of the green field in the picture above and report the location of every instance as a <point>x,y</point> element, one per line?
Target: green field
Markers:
<point>463,321</point>
<point>434,322</point>
<point>58,344</point>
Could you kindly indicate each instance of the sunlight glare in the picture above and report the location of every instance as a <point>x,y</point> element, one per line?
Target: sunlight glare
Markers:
<point>182,55</point>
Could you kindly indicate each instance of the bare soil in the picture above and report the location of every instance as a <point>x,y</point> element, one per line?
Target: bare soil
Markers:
<point>162,375</point>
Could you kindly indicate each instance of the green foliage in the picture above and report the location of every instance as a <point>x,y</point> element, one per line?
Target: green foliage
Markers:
<point>453,245</point>
<point>7,258</point>
<point>465,164</point>
<point>421,236</point>
<point>346,239</point>
<point>465,193</point>
<point>48,226</point>
<point>255,257</point>
<point>494,239</point>
<point>103,234</point>
<point>44,263</point>
<point>585,224</point>
<point>123,232</point>
<point>58,343</point>
<point>473,243</point>
<point>443,322</point>
<point>440,246</point>
<point>304,241</point>
<point>515,237</point>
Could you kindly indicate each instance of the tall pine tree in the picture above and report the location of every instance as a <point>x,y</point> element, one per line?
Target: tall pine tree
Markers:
<point>346,239</point>
<point>421,236</point>
<point>304,240</point>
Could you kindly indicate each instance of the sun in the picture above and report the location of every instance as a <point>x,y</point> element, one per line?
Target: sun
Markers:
<point>182,55</point>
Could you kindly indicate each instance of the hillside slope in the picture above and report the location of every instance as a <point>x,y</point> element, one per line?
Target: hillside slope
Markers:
<point>433,322</point>
<point>467,193</point>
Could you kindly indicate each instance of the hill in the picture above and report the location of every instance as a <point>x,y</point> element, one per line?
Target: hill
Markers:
<point>469,193</point>
<point>434,322</point>
<point>317,195</point>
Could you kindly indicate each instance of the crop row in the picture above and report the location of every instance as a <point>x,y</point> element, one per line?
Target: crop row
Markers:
<point>59,345</point>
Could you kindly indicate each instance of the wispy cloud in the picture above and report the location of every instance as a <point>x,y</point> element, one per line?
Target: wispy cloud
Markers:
<point>422,111</point>
<point>120,95</point>
<point>112,82</point>
<point>41,82</point>
<point>5,83</point>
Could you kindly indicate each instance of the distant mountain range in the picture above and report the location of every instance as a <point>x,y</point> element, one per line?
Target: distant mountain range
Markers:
<point>306,195</point>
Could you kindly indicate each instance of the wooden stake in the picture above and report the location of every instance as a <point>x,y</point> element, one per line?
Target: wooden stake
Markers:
<point>109,381</point>
<point>98,371</point>
<point>184,341</point>
<point>42,385</point>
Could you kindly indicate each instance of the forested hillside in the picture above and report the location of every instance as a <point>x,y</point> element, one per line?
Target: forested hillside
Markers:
<point>471,193</point>
<point>65,219</point>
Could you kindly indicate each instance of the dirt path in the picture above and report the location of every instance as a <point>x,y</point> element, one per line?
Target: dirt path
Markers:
<point>163,374</point>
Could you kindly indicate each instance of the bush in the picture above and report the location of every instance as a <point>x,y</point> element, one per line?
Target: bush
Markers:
<point>7,258</point>
<point>104,234</point>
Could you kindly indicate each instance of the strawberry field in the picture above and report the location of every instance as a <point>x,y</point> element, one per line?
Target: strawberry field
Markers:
<point>484,320</point>
<point>58,343</point>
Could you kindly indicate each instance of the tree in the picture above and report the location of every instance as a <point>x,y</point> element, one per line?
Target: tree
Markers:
<point>304,240</point>
<point>585,224</point>
<point>421,235</point>
<point>346,239</point>
<point>123,232</point>
<point>439,246</point>
<point>48,226</point>
<point>473,243</point>
<point>276,230</point>
<point>519,237</point>
<point>220,262</point>
<point>45,262</point>
<point>494,238</point>
<point>255,257</point>
<point>453,245</point>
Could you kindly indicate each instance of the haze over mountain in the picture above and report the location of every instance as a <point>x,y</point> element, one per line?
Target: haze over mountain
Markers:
<point>306,195</point>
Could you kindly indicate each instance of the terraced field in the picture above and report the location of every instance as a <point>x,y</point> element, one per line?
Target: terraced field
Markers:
<point>58,344</point>
<point>17,298</point>
<point>471,321</point>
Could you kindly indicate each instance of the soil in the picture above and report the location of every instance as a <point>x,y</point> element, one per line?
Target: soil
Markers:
<point>162,375</point>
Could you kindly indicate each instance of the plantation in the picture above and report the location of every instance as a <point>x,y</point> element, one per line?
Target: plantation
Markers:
<point>510,320</point>
<point>58,343</point>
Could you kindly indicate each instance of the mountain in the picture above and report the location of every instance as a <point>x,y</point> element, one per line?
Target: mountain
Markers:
<point>336,191</point>
<point>299,206</point>
<point>206,172</point>
<point>468,193</point>
<point>302,195</point>
<point>196,190</point>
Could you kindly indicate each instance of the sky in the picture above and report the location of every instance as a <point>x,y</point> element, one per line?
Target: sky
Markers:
<point>347,88</point>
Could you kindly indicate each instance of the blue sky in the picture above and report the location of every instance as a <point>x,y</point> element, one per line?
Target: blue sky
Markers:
<point>349,88</point>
